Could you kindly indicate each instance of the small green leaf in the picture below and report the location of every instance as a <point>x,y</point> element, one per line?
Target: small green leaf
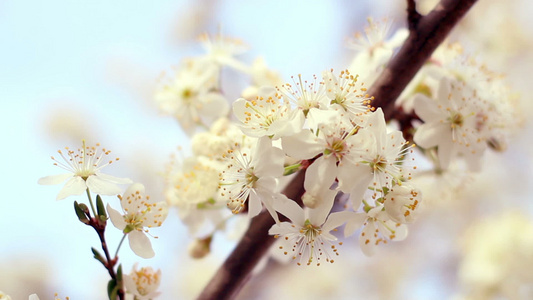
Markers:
<point>102,216</point>
<point>99,257</point>
<point>112,289</point>
<point>80,212</point>
<point>119,276</point>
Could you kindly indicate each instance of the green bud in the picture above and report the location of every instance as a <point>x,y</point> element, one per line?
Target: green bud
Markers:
<point>112,289</point>
<point>102,216</point>
<point>119,276</point>
<point>99,256</point>
<point>81,212</point>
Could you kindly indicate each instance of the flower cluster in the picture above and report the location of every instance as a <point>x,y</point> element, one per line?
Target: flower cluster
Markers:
<point>328,128</point>
<point>325,126</point>
<point>465,107</point>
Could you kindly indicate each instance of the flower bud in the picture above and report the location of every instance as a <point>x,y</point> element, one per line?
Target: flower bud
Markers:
<point>199,248</point>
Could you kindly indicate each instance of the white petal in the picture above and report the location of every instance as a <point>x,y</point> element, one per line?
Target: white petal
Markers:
<point>354,179</point>
<point>367,242</point>
<point>254,204</point>
<point>54,179</point>
<point>337,219</point>
<point>427,109</point>
<point>116,218</point>
<point>32,297</point>
<point>318,215</point>
<point>445,152</point>
<point>291,210</point>
<point>355,221</point>
<point>432,134</point>
<point>215,106</point>
<point>113,179</point>
<point>100,186</point>
<point>302,145</point>
<point>75,186</point>
<point>320,174</point>
<point>131,200</point>
<point>282,228</point>
<point>140,244</point>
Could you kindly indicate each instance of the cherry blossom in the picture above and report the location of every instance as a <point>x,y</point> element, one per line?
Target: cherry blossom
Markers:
<point>252,176</point>
<point>139,215</point>
<point>84,167</point>
<point>143,283</point>
<point>451,123</point>
<point>308,231</point>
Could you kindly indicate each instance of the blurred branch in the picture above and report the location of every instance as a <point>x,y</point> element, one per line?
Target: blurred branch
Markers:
<point>426,33</point>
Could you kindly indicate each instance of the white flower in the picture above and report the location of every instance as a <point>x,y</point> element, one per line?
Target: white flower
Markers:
<point>139,214</point>
<point>378,229</point>
<point>84,167</point>
<point>192,96</point>
<point>143,283</point>
<point>334,140</point>
<point>192,186</point>
<point>222,135</point>
<point>403,203</point>
<point>347,92</point>
<point>374,49</point>
<point>309,229</point>
<point>221,50</point>
<point>253,178</point>
<point>451,123</point>
<point>267,115</point>
<point>376,161</point>
<point>307,96</point>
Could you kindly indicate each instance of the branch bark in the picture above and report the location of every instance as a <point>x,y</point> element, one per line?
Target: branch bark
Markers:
<point>426,33</point>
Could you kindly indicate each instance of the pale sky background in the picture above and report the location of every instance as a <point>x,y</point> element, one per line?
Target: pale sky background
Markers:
<point>73,69</point>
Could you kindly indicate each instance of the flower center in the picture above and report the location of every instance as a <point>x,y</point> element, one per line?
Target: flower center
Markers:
<point>379,164</point>
<point>456,119</point>
<point>310,231</point>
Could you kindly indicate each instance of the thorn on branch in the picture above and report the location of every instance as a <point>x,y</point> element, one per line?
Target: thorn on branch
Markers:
<point>413,16</point>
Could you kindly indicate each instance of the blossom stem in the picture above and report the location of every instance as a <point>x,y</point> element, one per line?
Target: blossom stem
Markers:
<point>110,263</point>
<point>91,202</point>
<point>120,244</point>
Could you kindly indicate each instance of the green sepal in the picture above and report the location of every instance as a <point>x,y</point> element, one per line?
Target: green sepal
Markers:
<point>291,169</point>
<point>112,289</point>
<point>99,257</point>
<point>102,216</point>
<point>80,212</point>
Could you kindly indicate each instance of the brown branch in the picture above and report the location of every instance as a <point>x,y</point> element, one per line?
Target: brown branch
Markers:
<point>413,17</point>
<point>426,34</point>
